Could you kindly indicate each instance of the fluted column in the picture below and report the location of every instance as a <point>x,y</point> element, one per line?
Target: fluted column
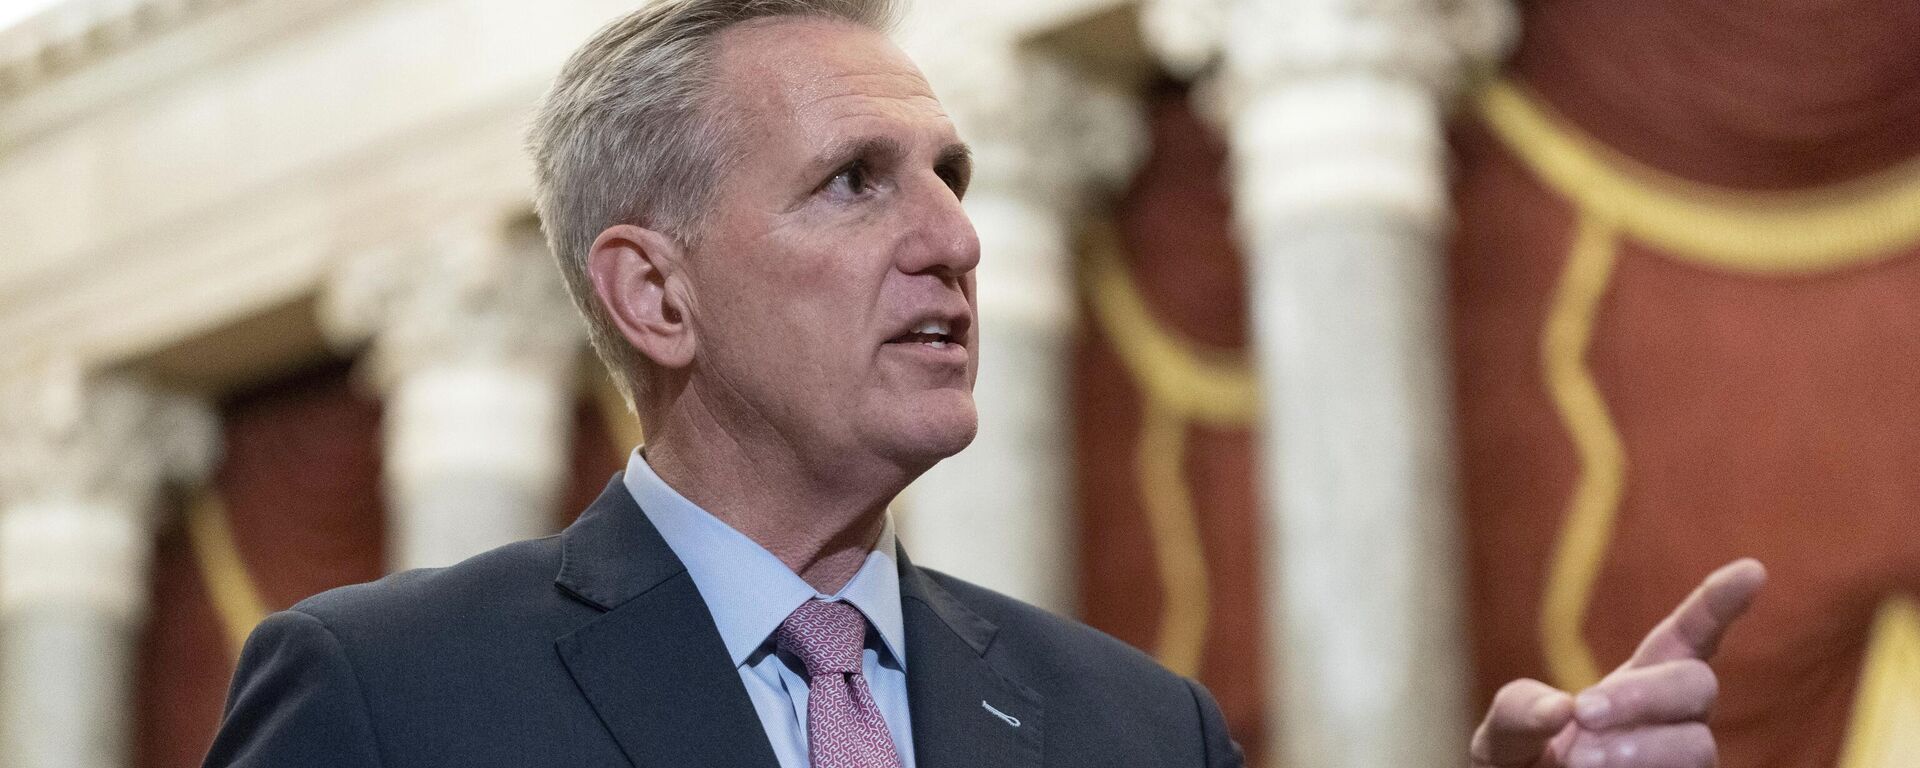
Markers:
<point>475,346</point>
<point>81,462</point>
<point>1000,513</point>
<point>1334,112</point>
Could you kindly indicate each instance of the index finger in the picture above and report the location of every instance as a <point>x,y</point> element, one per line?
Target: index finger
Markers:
<point>1694,629</point>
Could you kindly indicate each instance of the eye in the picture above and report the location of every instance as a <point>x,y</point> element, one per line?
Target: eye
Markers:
<point>852,181</point>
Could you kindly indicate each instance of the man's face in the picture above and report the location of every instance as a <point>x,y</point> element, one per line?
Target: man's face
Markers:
<point>832,292</point>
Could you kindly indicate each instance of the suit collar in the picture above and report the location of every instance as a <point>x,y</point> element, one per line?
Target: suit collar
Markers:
<point>972,628</point>
<point>749,591</point>
<point>652,666</point>
<point>967,712</point>
<point>613,553</point>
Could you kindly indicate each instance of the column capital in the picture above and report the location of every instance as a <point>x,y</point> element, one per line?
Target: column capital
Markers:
<point>1337,106</point>
<point>1186,36</point>
<point>1434,44</point>
<point>464,296</point>
<point>70,436</point>
<point>1431,41</point>
<point>81,460</point>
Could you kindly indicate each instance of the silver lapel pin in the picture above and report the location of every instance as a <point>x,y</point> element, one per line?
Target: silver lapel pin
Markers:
<point>1011,720</point>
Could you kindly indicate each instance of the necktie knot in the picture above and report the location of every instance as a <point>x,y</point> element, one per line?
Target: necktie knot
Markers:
<point>826,636</point>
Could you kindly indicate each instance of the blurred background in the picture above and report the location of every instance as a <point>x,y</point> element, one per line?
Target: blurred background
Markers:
<point>1353,356</point>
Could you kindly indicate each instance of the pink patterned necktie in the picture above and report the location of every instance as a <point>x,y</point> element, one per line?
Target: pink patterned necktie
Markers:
<point>844,726</point>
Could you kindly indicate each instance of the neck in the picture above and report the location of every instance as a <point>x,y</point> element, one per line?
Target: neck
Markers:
<point>821,522</point>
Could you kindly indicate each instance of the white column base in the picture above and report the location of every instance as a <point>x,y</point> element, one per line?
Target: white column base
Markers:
<point>1364,553</point>
<point>73,579</point>
<point>66,684</point>
<point>476,455</point>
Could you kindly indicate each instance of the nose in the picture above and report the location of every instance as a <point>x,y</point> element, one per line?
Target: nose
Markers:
<point>943,239</point>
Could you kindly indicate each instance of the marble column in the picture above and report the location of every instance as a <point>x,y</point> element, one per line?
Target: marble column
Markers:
<point>1045,144</point>
<point>1335,113</point>
<point>82,460</point>
<point>475,347</point>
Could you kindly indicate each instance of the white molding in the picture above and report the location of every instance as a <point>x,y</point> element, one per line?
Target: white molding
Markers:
<point>159,199</point>
<point>270,245</point>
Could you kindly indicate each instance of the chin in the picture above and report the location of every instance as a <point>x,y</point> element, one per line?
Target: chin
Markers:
<point>931,428</point>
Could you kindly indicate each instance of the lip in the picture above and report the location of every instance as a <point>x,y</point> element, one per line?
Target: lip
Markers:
<point>953,354</point>
<point>959,322</point>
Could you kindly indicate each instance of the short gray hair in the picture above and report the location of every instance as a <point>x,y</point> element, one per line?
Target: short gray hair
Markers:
<point>625,137</point>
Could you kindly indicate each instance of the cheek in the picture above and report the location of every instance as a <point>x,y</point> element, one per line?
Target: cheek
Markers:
<point>799,329</point>
<point>800,300</point>
<point>831,301</point>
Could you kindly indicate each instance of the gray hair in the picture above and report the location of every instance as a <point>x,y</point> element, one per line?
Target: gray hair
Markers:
<point>625,136</point>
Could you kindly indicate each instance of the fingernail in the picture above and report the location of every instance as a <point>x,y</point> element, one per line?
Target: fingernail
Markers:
<point>1592,707</point>
<point>1587,756</point>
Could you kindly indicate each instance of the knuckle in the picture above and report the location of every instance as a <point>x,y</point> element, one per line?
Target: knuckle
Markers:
<point>1699,680</point>
<point>1633,698</point>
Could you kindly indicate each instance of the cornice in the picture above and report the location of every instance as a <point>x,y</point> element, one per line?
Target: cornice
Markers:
<point>73,33</point>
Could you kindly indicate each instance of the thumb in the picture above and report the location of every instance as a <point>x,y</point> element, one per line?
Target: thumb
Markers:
<point>1526,714</point>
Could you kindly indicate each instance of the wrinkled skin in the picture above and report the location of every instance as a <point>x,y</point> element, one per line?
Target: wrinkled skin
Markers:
<point>784,401</point>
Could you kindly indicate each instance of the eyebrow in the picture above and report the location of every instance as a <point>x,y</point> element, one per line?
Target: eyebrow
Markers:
<point>843,152</point>
<point>960,156</point>
<point>956,154</point>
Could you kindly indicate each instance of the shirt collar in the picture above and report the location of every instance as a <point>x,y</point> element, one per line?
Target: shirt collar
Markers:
<point>749,591</point>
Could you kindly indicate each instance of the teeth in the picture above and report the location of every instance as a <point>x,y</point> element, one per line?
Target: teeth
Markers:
<point>934,328</point>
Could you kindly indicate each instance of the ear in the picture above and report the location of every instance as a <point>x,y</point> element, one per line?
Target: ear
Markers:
<point>631,268</point>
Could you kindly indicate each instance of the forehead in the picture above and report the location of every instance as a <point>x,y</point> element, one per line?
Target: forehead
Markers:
<point>822,76</point>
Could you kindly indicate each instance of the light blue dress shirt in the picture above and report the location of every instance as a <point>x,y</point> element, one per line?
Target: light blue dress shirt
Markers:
<point>750,593</point>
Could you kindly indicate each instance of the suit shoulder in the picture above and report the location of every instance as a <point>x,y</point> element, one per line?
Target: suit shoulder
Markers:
<point>488,588</point>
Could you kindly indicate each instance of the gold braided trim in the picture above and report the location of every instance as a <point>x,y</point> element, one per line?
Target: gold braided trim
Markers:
<point>1160,465</point>
<point>1180,385</point>
<point>230,586</point>
<point>1596,496</point>
<point>1782,234</point>
<point>1765,233</point>
<point>1203,385</point>
<point>1885,732</point>
<point>236,600</point>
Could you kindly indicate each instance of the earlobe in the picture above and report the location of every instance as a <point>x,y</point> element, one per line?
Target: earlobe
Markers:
<point>636,277</point>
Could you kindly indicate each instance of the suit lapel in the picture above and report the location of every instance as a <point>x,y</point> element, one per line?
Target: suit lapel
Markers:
<point>653,666</point>
<point>966,714</point>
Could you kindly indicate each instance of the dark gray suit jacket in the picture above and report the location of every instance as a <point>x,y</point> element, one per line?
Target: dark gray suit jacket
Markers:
<point>593,648</point>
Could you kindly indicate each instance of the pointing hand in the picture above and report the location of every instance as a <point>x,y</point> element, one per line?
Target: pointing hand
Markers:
<point>1650,713</point>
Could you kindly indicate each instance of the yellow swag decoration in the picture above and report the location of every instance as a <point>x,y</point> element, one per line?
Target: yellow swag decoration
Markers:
<point>236,599</point>
<point>1886,720</point>
<point>1180,385</point>
<point>1762,234</point>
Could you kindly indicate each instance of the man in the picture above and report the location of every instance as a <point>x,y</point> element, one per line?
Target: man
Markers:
<point>756,204</point>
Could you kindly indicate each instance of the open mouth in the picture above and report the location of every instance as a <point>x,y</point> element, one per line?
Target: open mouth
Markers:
<point>937,334</point>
